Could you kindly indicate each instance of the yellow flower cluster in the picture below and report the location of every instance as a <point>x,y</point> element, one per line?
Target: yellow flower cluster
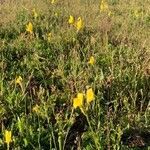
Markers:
<point>79,24</point>
<point>79,100</point>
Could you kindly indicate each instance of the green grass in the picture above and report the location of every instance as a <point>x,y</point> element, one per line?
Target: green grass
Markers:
<point>55,70</point>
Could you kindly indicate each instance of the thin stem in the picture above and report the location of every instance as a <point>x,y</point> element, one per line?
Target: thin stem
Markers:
<point>93,133</point>
<point>7,146</point>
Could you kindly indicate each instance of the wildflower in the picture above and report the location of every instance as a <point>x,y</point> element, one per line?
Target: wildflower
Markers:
<point>36,108</point>
<point>53,1</point>
<point>109,13</point>
<point>56,14</point>
<point>103,6</point>
<point>89,95</point>
<point>49,36</point>
<point>136,13</point>
<point>19,80</point>
<point>73,39</point>
<point>92,60</point>
<point>80,96</point>
<point>8,138</point>
<point>78,101</point>
<point>71,20</point>
<point>35,13</point>
<point>29,28</point>
<point>79,24</point>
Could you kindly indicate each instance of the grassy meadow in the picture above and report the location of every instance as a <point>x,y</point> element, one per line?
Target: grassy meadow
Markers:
<point>62,59</point>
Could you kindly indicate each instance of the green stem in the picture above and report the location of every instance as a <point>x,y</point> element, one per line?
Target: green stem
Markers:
<point>93,133</point>
<point>7,146</point>
<point>59,141</point>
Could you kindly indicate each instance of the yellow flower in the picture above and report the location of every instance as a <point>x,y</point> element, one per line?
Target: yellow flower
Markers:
<point>80,96</point>
<point>19,80</point>
<point>53,1</point>
<point>8,135</point>
<point>79,24</point>
<point>29,28</point>
<point>49,36</point>
<point>109,13</point>
<point>92,60</point>
<point>136,13</point>
<point>89,95</point>
<point>56,14</point>
<point>36,108</point>
<point>103,6</point>
<point>35,13</point>
<point>78,101</point>
<point>71,20</point>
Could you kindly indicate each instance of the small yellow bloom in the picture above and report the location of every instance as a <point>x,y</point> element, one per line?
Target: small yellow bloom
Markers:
<point>89,95</point>
<point>49,36</point>
<point>56,14</point>
<point>35,13</point>
<point>53,1</point>
<point>8,135</point>
<point>29,28</point>
<point>36,108</point>
<point>103,6</point>
<point>92,60</point>
<point>136,13</point>
<point>79,24</point>
<point>109,13</point>
<point>19,80</point>
<point>71,20</point>
<point>78,101</point>
<point>80,96</point>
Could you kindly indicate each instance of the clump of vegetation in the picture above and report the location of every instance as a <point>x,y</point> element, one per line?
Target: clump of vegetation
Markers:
<point>75,74</point>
